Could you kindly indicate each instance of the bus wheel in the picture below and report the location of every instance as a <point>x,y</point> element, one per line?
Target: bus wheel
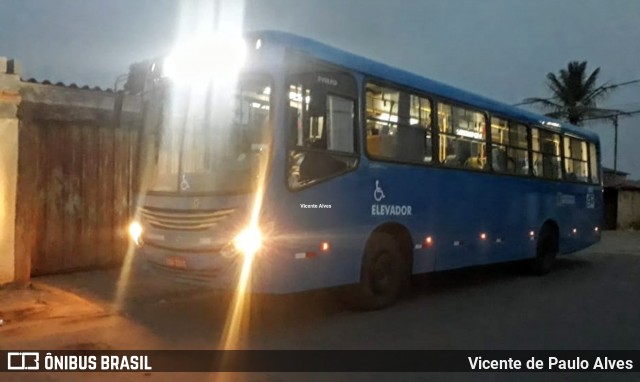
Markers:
<point>546,251</point>
<point>384,273</point>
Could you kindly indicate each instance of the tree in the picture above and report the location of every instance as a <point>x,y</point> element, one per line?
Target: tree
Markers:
<point>574,94</point>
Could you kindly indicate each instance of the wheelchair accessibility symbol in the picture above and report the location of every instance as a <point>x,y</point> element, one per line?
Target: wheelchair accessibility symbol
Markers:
<point>387,209</point>
<point>378,194</point>
<point>184,185</point>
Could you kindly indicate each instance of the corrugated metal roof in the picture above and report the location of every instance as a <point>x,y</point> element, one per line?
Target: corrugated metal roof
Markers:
<point>608,170</point>
<point>625,185</point>
<point>70,86</point>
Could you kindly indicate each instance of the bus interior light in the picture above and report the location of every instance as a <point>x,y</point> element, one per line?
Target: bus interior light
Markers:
<point>388,117</point>
<point>293,96</point>
<point>469,134</point>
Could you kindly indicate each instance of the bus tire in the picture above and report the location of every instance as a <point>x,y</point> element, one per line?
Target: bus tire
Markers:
<point>384,274</point>
<point>546,251</point>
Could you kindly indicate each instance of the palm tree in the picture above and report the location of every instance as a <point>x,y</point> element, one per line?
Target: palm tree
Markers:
<point>574,94</point>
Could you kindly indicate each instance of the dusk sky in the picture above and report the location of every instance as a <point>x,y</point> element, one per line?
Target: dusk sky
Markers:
<point>498,48</point>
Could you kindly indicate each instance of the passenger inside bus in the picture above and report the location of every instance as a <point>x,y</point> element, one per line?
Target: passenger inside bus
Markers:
<point>451,158</point>
<point>459,155</point>
<point>411,140</point>
<point>475,163</point>
<point>499,159</point>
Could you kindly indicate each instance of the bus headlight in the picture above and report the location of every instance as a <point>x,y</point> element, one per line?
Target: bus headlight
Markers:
<point>248,241</point>
<point>135,231</point>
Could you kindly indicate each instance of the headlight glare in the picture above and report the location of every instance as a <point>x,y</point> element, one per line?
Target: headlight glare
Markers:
<point>135,232</point>
<point>248,241</point>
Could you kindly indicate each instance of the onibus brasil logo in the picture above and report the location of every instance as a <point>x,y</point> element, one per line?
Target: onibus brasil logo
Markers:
<point>31,361</point>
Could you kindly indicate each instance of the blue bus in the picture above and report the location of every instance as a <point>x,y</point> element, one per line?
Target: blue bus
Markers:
<point>330,169</point>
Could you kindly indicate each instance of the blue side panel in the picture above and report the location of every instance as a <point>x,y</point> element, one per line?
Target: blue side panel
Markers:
<point>453,207</point>
<point>472,218</point>
<point>302,230</point>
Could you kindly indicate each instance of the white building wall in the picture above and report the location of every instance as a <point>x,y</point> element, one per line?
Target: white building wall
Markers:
<point>9,101</point>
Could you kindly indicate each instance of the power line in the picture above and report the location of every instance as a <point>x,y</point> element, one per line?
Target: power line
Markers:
<point>604,87</point>
<point>626,105</point>
<point>614,119</point>
<point>622,84</point>
<point>615,115</point>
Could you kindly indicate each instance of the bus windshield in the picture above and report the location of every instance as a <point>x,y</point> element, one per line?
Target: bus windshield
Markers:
<point>213,140</point>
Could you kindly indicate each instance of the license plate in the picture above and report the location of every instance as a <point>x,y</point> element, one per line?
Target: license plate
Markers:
<point>175,262</point>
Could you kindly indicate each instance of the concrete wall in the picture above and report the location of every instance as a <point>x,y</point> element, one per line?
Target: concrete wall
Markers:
<point>9,102</point>
<point>628,208</point>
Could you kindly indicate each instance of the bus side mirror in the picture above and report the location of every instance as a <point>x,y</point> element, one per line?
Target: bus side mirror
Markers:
<point>139,74</point>
<point>136,78</point>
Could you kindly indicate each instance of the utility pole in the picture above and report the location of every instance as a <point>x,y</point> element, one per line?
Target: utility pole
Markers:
<point>615,144</point>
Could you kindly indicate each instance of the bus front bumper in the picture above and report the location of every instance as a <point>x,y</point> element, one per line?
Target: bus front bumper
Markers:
<point>212,270</point>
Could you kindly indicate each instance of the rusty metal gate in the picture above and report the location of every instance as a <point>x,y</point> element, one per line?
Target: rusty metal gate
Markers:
<point>75,190</point>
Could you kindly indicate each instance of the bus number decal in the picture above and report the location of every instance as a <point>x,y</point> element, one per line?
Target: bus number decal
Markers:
<point>591,199</point>
<point>328,81</point>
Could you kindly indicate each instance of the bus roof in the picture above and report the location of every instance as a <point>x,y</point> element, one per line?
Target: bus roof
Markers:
<point>420,83</point>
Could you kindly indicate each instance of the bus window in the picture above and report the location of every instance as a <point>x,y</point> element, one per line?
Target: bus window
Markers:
<point>415,139</point>
<point>214,147</point>
<point>509,147</point>
<point>382,120</point>
<point>518,150</point>
<point>593,161</point>
<point>462,137</point>
<point>575,160</point>
<point>499,141</point>
<point>398,125</point>
<point>546,154</point>
<point>322,127</point>
<point>340,120</point>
